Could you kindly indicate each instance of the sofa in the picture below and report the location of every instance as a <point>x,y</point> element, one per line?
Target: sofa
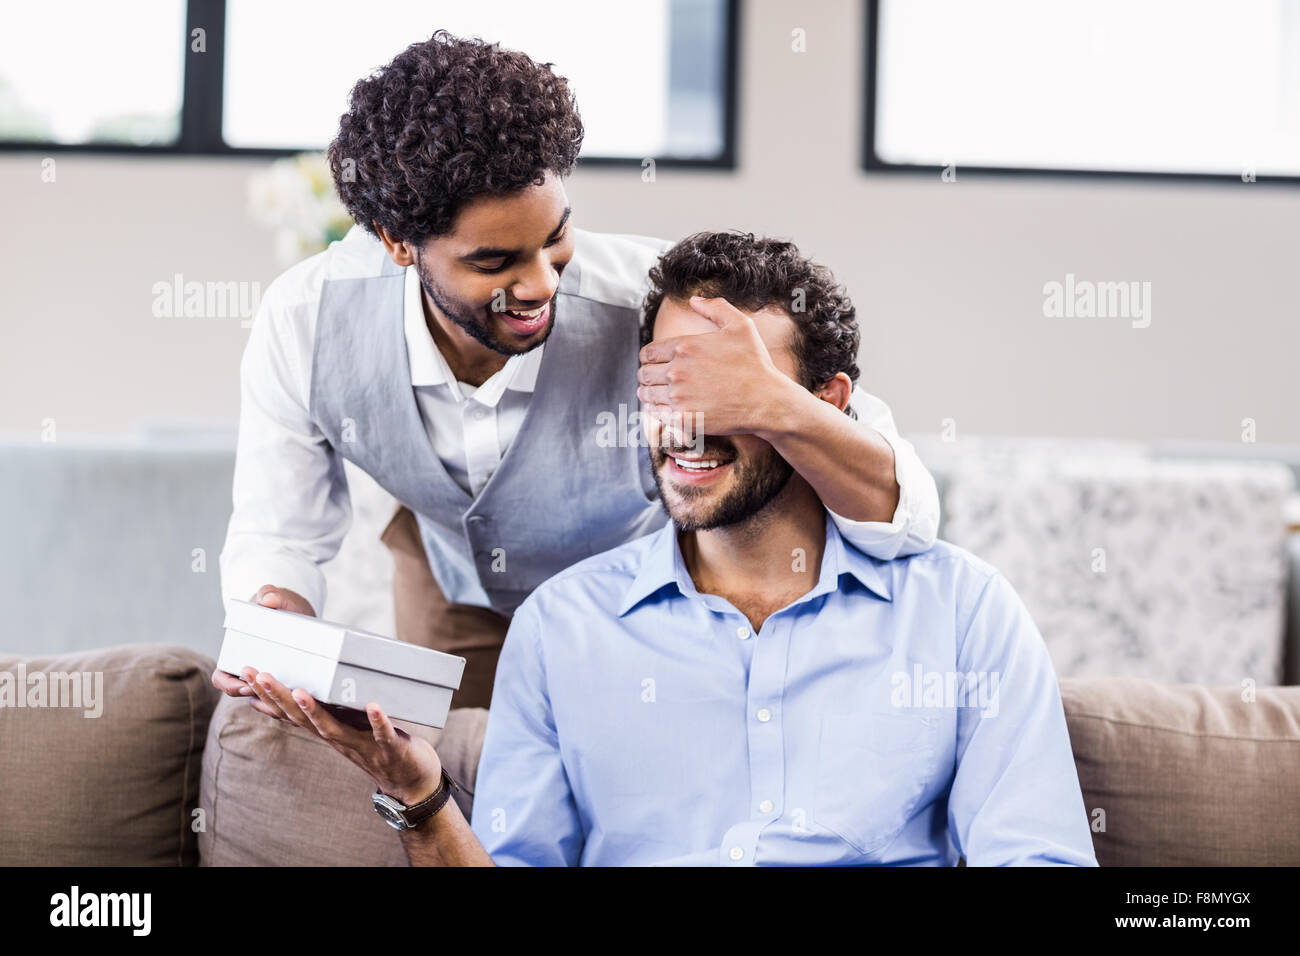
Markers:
<point>1189,759</point>
<point>155,768</point>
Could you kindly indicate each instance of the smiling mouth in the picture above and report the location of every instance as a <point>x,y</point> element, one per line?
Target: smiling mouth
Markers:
<point>527,321</point>
<point>698,464</point>
<point>694,470</point>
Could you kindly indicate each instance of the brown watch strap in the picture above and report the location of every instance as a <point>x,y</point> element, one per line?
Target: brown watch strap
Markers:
<point>419,812</point>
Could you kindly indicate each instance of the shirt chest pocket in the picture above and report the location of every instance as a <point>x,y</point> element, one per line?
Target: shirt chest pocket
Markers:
<point>872,770</point>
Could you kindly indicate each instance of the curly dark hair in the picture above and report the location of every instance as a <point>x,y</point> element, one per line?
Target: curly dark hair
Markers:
<point>753,273</point>
<point>447,120</point>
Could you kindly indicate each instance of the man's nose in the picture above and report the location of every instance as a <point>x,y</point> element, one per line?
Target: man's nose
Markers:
<point>538,283</point>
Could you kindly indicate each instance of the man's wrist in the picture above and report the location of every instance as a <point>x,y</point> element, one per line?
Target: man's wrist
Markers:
<point>417,793</point>
<point>409,811</point>
<point>785,410</point>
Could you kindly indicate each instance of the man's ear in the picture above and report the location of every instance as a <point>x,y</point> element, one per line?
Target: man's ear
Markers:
<point>402,253</point>
<point>837,391</point>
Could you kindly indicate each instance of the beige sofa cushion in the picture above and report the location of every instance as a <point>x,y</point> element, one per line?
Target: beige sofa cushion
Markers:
<point>1187,775</point>
<point>275,794</point>
<point>117,789</point>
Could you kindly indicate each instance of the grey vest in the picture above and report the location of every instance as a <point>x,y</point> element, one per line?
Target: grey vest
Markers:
<point>559,494</point>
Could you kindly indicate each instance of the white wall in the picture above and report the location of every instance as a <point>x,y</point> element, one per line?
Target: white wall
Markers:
<point>948,277</point>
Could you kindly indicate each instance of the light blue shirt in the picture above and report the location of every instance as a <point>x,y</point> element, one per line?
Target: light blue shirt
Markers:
<point>900,712</point>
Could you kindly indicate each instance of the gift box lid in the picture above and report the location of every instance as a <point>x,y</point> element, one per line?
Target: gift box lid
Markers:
<point>347,645</point>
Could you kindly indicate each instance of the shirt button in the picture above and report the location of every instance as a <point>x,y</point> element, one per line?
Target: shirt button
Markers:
<point>765,806</point>
<point>764,715</point>
<point>480,414</point>
<point>742,632</point>
<point>736,853</point>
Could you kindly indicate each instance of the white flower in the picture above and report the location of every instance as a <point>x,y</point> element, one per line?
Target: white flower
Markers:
<point>295,197</point>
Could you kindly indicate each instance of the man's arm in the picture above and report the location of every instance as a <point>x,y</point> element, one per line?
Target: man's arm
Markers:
<point>291,506</point>
<point>1015,797</point>
<point>525,813</point>
<point>879,493</point>
<point>445,840</point>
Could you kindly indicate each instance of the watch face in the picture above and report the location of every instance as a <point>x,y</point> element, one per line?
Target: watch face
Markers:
<point>390,810</point>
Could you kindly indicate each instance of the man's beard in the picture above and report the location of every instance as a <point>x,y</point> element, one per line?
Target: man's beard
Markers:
<point>472,321</point>
<point>755,482</point>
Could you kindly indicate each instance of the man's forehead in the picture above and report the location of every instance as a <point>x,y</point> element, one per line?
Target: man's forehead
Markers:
<point>506,218</point>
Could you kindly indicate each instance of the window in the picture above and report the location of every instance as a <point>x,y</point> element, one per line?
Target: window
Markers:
<point>1163,87</point>
<point>79,73</point>
<point>654,79</point>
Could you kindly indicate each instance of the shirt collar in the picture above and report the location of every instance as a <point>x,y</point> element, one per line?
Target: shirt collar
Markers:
<point>428,366</point>
<point>662,564</point>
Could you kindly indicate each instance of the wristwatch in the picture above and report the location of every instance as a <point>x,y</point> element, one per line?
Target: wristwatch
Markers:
<point>401,817</point>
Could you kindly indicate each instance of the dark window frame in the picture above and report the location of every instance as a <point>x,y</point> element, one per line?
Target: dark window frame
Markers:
<point>871,162</point>
<point>203,95</point>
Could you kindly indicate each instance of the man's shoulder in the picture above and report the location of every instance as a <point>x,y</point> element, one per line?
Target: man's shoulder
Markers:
<point>595,584</point>
<point>614,268</point>
<point>950,570</point>
<point>976,589</point>
<point>358,255</point>
<point>292,298</point>
<point>946,555</point>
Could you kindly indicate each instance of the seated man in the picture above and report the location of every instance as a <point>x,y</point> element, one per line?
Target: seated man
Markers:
<point>744,686</point>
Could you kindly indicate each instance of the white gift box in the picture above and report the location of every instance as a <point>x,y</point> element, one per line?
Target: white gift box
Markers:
<point>341,665</point>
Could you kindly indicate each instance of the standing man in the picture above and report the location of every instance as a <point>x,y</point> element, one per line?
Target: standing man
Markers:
<point>463,345</point>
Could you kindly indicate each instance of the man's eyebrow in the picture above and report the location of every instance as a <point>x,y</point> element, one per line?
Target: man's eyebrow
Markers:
<point>490,252</point>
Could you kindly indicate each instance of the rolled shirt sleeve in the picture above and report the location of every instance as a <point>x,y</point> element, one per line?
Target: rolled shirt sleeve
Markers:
<point>915,525</point>
<point>524,810</point>
<point>290,496</point>
<point>1015,797</point>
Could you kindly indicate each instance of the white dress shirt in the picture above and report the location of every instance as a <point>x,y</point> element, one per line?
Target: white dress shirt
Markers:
<point>291,507</point>
<point>470,428</point>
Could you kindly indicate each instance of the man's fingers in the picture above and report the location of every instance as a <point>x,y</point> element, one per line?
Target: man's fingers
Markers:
<point>268,706</point>
<point>228,683</point>
<point>719,311</point>
<point>348,716</point>
<point>655,374</point>
<point>662,416</point>
<point>653,394</point>
<point>283,699</point>
<point>265,697</point>
<point>261,708</point>
<point>324,722</point>
<point>271,597</point>
<point>385,734</point>
<point>676,430</point>
<point>282,599</point>
<point>652,352</point>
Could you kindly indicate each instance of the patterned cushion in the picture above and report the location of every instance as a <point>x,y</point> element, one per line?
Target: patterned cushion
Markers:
<point>1168,570</point>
